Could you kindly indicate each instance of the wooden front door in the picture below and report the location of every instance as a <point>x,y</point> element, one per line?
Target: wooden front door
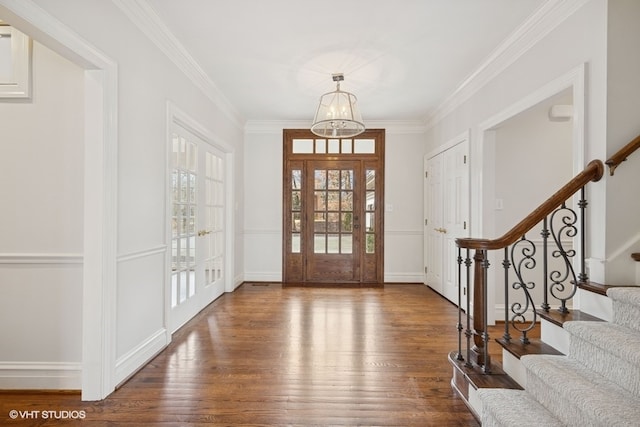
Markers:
<point>333,208</point>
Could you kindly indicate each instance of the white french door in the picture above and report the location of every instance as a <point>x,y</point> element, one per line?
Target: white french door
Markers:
<point>197,225</point>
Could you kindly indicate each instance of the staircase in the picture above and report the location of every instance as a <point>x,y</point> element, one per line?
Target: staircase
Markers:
<point>585,369</point>
<point>596,384</point>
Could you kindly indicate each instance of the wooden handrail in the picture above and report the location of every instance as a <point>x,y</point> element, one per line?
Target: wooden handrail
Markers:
<point>622,154</point>
<point>593,172</point>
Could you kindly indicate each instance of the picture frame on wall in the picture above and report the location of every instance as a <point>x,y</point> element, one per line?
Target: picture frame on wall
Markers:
<point>15,63</point>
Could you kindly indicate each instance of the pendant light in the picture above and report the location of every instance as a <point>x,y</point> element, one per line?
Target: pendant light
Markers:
<point>338,115</point>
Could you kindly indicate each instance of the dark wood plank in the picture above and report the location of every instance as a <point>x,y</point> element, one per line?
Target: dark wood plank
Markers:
<point>269,355</point>
<point>518,349</point>
<point>597,288</point>
<point>558,318</point>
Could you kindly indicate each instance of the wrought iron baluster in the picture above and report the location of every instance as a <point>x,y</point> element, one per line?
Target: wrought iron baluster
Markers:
<point>545,264</point>
<point>468,333</point>
<point>563,223</point>
<point>506,264</point>
<point>582,204</point>
<point>486,368</point>
<point>523,261</point>
<point>459,325</point>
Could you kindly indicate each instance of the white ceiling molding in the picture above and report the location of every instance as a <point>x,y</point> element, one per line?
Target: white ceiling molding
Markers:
<point>145,18</point>
<point>541,23</point>
<point>390,126</point>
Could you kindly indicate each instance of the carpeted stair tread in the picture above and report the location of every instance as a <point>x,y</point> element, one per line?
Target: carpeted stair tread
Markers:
<point>578,396</point>
<point>611,350</point>
<point>626,306</point>
<point>504,407</point>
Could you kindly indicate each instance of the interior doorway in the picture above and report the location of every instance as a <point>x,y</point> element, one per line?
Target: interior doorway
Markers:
<point>333,198</point>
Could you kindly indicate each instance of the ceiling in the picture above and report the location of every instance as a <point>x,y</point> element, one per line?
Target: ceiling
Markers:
<point>272,59</point>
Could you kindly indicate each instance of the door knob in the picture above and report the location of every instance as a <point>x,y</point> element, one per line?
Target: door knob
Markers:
<point>203,233</point>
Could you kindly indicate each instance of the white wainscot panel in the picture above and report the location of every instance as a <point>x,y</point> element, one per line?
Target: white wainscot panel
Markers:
<point>41,314</point>
<point>263,255</point>
<point>140,309</point>
<point>403,256</point>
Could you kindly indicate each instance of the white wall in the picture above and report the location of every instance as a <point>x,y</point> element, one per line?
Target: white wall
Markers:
<point>623,124</point>
<point>263,205</point>
<point>147,80</point>
<point>41,224</point>
<point>533,158</point>
<point>579,39</point>
<point>404,217</point>
<point>403,200</point>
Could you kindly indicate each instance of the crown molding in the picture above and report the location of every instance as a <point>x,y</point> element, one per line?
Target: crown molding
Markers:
<point>390,126</point>
<point>147,20</point>
<point>544,20</point>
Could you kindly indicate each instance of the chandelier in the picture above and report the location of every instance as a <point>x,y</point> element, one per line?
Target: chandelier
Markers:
<point>338,115</point>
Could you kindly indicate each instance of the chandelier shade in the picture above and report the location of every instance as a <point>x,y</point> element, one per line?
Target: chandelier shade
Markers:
<point>338,115</point>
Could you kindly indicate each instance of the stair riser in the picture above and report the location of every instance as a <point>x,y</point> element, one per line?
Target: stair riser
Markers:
<point>627,315</point>
<point>514,368</point>
<point>555,336</point>
<point>595,304</point>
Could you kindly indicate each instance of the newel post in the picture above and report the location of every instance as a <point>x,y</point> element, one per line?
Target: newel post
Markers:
<point>479,354</point>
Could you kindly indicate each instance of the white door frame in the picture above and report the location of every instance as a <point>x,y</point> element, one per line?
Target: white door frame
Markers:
<point>100,189</point>
<point>482,168</point>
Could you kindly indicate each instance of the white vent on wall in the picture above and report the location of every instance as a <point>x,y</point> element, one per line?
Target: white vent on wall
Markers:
<point>560,113</point>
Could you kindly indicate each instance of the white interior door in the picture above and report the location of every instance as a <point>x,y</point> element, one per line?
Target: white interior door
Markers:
<point>197,226</point>
<point>455,215</point>
<point>433,223</point>
<point>446,217</point>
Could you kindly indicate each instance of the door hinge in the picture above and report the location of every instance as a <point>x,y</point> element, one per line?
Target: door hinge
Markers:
<point>426,174</point>
<point>465,159</point>
<point>464,291</point>
<point>426,222</point>
<point>465,225</point>
<point>426,270</point>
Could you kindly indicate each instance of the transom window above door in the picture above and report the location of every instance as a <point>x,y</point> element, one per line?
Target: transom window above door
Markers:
<point>333,146</point>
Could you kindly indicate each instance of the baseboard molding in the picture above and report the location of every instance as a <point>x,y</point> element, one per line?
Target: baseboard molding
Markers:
<point>136,358</point>
<point>238,281</point>
<point>40,376</point>
<point>388,278</point>
<point>404,277</point>
<point>263,277</point>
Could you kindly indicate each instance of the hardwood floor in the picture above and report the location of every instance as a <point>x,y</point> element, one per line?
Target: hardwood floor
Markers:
<point>270,355</point>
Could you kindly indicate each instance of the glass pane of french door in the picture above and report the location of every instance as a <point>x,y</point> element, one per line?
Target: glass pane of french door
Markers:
<point>212,214</point>
<point>183,221</point>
